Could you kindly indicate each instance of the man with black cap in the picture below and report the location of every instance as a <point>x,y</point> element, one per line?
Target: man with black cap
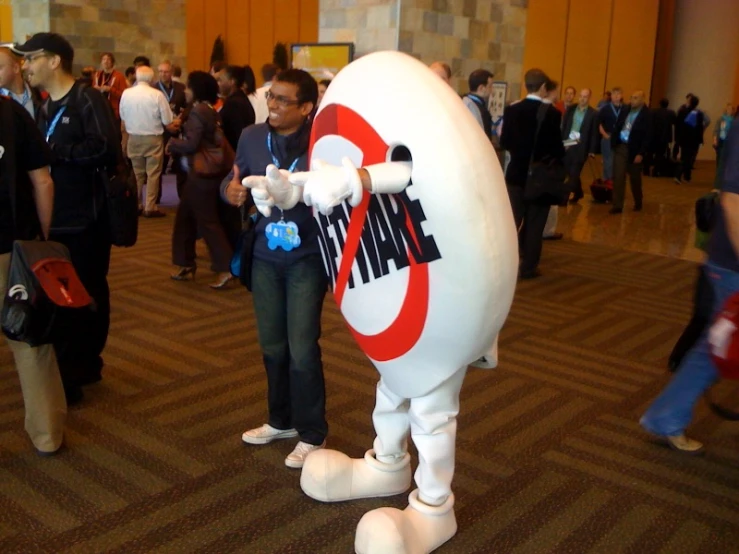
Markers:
<point>84,139</point>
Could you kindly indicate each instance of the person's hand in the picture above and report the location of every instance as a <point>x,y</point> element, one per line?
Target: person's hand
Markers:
<point>236,194</point>
<point>327,186</point>
<point>638,159</point>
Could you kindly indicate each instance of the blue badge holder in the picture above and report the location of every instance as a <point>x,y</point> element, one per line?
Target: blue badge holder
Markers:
<point>283,234</point>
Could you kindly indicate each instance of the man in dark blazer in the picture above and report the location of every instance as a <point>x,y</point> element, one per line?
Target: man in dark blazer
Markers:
<point>580,123</point>
<point>519,138</point>
<point>175,94</point>
<point>663,123</point>
<point>630,140</point>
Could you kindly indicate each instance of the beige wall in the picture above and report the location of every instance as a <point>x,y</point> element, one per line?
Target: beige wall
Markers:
<point>705,57</point>
<point>154,28</point>
<point>372,25</point>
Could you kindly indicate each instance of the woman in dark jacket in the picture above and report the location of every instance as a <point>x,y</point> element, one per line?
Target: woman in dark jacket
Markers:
<point>198,207</point>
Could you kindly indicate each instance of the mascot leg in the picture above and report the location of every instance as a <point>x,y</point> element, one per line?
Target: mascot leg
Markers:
<point>428,521</point>
<point>330,476</point>
<point>489,360</point>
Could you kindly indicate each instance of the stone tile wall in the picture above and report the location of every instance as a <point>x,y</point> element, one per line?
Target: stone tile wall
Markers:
<point>154,28</point>
<point>468,35</point>
<point>29,17</point>
<point>372,25</point>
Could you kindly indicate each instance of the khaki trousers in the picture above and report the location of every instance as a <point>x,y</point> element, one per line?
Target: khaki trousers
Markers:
<point>43,394</point>
<point>147,156</point>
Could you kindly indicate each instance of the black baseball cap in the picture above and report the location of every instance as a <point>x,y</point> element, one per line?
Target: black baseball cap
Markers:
<point>46,42</point>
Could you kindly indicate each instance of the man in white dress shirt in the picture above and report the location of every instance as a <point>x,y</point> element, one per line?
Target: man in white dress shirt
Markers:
<point>146,113</point>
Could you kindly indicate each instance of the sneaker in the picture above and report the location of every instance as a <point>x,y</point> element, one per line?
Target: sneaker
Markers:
<point>266,434</point>
<point>681,443</point>
<point>296,458</point>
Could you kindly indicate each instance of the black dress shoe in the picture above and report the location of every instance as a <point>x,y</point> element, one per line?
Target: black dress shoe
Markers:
<point>615,210</point>
<point>526,275</point>
<point>637,207</point>
<point>555,236</point>
<point>73,394</point>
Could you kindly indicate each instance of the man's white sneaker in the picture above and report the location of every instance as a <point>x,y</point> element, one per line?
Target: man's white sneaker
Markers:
<point>296,458</point>
<point>266,434</point>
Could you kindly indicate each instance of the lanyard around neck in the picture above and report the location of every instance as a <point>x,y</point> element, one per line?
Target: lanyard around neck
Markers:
<point>167,94</point>
<point>50,129</point>
<point>275,161</point>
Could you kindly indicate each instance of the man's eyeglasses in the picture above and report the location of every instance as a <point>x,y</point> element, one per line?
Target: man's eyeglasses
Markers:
<point>281,100</point>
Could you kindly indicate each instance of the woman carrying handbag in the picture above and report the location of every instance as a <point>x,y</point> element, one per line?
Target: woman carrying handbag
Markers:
<point>209,158</point>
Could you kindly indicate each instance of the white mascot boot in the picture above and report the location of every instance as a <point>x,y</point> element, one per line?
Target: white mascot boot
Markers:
<point>428,521</point>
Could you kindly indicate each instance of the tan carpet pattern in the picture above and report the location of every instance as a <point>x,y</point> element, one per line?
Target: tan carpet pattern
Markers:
<point>550,457</point>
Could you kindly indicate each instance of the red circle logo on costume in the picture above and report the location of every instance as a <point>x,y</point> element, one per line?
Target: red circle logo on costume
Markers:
<point>378,240</point>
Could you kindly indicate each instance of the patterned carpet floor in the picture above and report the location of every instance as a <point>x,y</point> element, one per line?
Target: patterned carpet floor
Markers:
<point>550,457</point>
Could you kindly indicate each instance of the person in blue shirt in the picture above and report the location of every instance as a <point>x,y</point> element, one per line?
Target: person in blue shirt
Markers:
<point>671,413</point>
<point>608,116</point>
<point>13,85</point>
<point>289,282</point>
<point>723,126</point>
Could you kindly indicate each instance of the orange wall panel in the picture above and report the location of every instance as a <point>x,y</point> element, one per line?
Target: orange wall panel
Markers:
<point>546,36</point>
<point>261,36</point>
<point>309,14</point>
<point>237,41</point>
<point>195,29</point>
<point>633,38</point>
<point>586,52</point>
<point>287,12</point>
<point>215,24</point>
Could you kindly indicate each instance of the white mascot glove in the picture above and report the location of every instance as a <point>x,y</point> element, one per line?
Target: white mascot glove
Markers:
<point>327,186</point>
<point>274,189</point>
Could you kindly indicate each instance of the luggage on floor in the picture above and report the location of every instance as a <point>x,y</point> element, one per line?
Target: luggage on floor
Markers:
<point>601,191</point>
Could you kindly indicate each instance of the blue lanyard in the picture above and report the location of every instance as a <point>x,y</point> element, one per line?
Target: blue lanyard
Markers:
<point>164,91</point>
<point>615,111</point>
<point>274,158</point>
<point>475,99</point>
<point>57,117</point>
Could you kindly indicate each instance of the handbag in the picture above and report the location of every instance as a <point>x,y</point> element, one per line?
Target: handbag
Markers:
<point>545,182</point>
<point>241,263</point>
<point>214,161</point>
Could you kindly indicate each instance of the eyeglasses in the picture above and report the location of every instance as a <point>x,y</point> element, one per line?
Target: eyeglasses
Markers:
<point>281,100</point>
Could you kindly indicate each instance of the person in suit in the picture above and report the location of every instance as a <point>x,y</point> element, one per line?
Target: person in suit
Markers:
<point>663,123</point>
<point>580,123</point>
<point>519,137</point>
<point>630,141</point>
<point>175,94</point>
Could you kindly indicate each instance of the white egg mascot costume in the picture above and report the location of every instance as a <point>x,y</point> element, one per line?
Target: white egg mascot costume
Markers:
<point>423,268</point>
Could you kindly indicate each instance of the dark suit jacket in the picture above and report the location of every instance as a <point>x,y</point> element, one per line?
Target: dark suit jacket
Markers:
<point>237,114</point>
<point>663,122</point>
<point>519,128</point>
<point>640,138</point>
<point>178,102</point>
<point>589,135</point>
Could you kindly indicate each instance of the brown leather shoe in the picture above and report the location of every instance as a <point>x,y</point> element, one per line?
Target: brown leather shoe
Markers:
<point>155,213</point>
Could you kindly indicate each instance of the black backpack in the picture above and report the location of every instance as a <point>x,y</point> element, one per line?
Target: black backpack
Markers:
<point>119,183</point>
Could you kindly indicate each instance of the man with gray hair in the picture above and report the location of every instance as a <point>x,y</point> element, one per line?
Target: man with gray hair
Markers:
<point>146,114</point>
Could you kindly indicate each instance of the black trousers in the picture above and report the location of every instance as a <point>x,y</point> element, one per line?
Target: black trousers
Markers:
<point>574,162</point>
<point>198,211</point>
<point>661,159</point>
<point>688,154</point>
<point>85,333</point>
<point>530,222</point>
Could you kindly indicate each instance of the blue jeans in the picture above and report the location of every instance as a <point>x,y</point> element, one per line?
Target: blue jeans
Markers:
<point>288,299</point>
<point>605,150</point>
<point>671,413</point>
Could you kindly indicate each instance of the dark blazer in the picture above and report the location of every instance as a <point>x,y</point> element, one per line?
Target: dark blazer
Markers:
<point>640,138</point>
<point>519,128</point>
<point>589,135</point>
<point>178,100</point>
<point>237,114</point>
<point>663,122</point>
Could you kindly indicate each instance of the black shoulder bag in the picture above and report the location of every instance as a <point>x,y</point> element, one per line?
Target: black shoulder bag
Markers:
<point>545,182</point>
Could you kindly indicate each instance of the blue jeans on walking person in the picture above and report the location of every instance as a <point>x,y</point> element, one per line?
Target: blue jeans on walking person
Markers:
<point>672,411</point>
<point>288,299</point>
<point>605,150</point>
